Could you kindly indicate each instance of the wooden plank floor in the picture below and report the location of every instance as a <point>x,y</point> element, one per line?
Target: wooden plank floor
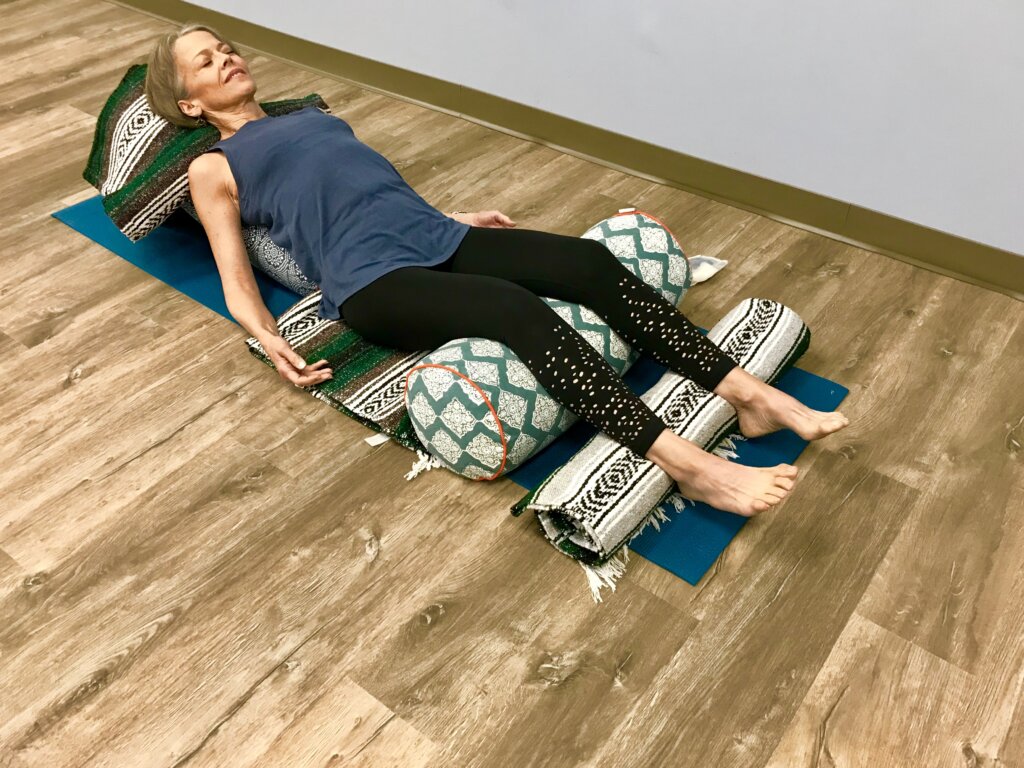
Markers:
<point>200,565</point>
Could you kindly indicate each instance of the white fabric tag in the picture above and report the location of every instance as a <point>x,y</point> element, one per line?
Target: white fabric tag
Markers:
<point>703,267</point>
<point>378,438</point>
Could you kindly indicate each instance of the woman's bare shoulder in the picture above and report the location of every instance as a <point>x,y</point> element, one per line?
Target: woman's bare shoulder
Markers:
<point>212,170</point>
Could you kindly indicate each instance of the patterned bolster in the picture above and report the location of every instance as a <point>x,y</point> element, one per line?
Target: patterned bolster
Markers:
<point>267,256</point>
<point>477,407</point>
<point>606,494</point>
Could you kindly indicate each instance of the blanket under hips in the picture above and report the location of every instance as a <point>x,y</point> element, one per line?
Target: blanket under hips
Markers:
<point>605,495</point>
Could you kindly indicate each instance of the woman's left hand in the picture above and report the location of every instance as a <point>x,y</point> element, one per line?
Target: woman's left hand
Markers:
<point>490,219</point>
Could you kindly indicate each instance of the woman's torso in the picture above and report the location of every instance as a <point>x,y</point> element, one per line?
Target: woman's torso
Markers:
<point>339,207</point>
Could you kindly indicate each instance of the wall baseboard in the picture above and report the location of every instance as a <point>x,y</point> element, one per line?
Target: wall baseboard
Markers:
<point>941,252</point>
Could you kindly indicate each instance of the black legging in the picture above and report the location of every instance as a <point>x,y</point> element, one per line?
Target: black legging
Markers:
<point>491,288</point>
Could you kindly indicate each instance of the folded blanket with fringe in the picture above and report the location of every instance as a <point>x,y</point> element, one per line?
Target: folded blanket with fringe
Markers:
<point>605,495</point>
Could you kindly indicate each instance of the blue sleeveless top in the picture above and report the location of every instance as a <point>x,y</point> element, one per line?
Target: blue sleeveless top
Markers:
<point>339,207</point>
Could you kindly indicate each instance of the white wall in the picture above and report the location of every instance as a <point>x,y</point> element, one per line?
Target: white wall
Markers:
<point>911,108</point>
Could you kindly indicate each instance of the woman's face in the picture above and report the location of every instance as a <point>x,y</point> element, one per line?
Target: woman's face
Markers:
<point>215,76</point>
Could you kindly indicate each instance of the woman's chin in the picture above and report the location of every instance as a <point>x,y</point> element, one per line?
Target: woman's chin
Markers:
<point>241,84</point>
<point>242,93</point>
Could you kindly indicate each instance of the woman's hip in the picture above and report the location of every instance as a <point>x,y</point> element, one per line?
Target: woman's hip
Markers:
<point>424,307</point>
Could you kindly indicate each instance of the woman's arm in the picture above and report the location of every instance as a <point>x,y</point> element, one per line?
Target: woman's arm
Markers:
<point>222,221</point>
<point>482,218</point>
<point>219,214</point>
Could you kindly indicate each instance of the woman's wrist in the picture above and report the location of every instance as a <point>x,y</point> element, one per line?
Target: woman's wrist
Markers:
<point>461,216</point>
<point>245,304</point>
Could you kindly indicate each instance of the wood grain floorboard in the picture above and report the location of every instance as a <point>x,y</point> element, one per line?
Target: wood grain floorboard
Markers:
<point>202,566</point>
<point>876,688</point>
<point>734,685</point>
<point>959,552</point>
<point>11,574</point>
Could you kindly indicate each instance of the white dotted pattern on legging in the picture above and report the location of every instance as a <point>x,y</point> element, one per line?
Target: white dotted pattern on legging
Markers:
<point>649,315</point>
<point>615,409</point>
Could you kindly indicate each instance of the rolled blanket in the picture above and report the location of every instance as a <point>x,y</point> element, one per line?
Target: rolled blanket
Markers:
<point>605,495</point>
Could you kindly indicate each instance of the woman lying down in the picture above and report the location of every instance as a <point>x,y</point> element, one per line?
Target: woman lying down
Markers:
<point>404,275</point>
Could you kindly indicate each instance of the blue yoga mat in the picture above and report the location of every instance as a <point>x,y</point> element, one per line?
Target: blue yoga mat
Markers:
<point>178,253</point>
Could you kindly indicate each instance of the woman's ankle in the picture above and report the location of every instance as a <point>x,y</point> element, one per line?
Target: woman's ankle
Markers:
<point>739,387</point>
<point>675,454</point>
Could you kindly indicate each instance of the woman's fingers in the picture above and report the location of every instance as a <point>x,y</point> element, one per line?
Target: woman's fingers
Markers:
<point>293,367</point>
<point>500,219</point>
<point>319,365</point>
<point>315,373</point>
<point>294,357</point>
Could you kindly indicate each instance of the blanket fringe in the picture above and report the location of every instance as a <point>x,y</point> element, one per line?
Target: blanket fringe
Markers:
<point>727,447</point>
<point>610,571</point>
<point>606,574</point>
<point>424,463</point>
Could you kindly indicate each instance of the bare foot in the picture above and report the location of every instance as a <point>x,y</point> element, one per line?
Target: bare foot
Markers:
<point>702,476</point>
<point>762,408</point>
<point>772,409</point>
<point>737,488</point>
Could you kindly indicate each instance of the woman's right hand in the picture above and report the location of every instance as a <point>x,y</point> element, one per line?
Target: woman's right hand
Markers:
<point>291,366</point>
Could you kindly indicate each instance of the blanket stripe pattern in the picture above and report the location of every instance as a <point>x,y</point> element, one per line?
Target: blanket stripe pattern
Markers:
<point>605,495</point>
<point>369,380</point>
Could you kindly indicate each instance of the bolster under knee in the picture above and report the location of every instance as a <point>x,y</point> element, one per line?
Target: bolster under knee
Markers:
<point>477,407</point>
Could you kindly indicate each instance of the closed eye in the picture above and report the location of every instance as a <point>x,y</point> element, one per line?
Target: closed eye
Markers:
<point>229,51</point>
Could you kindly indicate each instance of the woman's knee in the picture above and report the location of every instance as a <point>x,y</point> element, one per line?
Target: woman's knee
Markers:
<point>602,264</point>
<point>525,323</point>
<point>516,301</point>
<point>598,274</point>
